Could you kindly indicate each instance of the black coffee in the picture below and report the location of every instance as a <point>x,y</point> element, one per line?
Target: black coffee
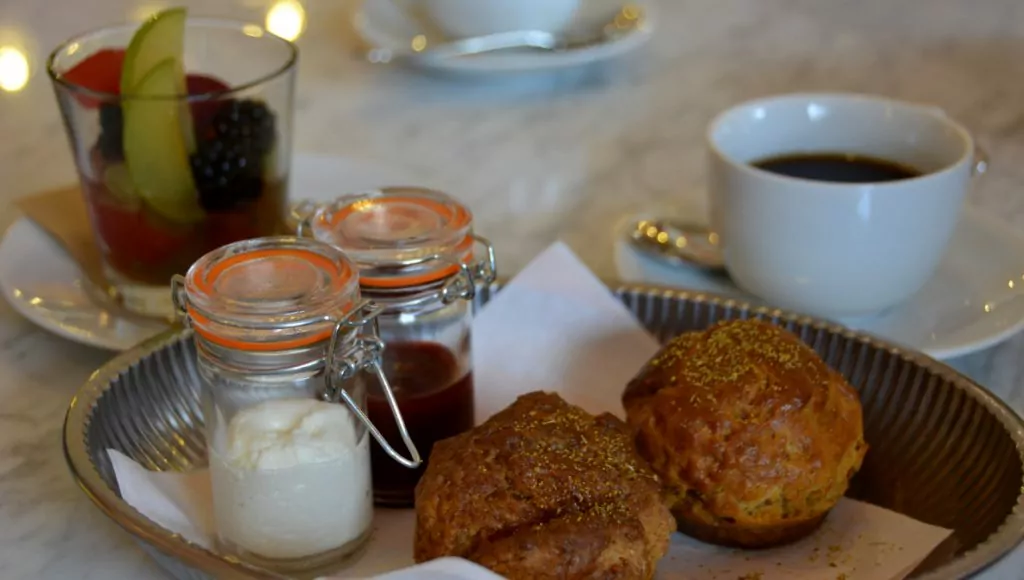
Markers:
<point>838,167</point>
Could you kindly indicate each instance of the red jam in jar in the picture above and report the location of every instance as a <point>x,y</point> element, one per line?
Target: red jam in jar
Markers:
<point>435,396</point>
<point>418,259</point>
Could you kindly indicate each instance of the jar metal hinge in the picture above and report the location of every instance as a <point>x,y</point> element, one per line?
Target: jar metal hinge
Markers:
<point>364,354</point>
<point>463,285</point>
<point>179,298</point>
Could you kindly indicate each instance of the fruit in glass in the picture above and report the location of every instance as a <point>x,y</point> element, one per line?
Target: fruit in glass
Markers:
<point>181,133</point>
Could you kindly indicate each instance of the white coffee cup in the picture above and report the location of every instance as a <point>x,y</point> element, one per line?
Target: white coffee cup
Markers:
<point>465,18</point>
<point>827,248</point>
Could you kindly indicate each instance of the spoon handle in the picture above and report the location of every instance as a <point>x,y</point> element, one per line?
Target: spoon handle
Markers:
<point>490,42</point>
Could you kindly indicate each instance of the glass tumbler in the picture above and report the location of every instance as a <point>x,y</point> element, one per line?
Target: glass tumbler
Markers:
<point>168,177</point>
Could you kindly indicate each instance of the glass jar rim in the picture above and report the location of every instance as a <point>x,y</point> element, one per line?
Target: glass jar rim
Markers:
<point>316,286</point>
<point>242,27</point>
<point>436,244</point>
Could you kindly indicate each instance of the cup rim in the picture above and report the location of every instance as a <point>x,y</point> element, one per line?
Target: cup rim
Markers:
<point>933,111</point>
<point>241,26</point>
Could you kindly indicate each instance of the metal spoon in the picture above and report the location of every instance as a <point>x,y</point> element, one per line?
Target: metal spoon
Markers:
<point>626,20</point>
<point>678,243</point>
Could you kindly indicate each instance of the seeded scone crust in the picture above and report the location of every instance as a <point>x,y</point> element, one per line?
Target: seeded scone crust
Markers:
<point>544,490</point>
<point>753,435</point>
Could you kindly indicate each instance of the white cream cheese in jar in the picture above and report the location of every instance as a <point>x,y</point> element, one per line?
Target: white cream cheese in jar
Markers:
<point>292,479</point>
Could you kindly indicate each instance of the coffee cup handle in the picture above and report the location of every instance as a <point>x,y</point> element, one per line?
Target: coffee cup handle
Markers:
<point>980,165</point>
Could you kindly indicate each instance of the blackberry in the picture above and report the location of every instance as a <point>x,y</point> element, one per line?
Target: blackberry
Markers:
<point>228,163</point>
<point>226,175</point>
<point>111,139</point>
<point>247,122</point>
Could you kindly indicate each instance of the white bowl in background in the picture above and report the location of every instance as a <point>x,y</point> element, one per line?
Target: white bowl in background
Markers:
<point>464,18</point>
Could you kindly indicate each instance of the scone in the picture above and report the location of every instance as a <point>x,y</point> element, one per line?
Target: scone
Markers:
<point>753,435</point>
<point>544,490</point>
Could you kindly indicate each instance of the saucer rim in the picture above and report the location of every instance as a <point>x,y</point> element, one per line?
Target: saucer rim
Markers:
<point>505,64</point>
<point>996,228</point>
<point>71,275</point>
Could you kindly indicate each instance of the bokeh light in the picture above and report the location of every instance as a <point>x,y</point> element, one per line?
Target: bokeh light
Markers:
<point>14,69</point>
<point>287,19</point>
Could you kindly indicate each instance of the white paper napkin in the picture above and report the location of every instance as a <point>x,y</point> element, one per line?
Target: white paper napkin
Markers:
<point>441,569</point>
<point>555,327</point>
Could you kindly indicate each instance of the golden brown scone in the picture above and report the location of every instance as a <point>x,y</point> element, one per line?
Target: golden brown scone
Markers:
<point>753,435</point>
<point>544,490</point>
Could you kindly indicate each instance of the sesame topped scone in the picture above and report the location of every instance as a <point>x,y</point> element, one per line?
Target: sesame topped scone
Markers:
<point>753,435</point>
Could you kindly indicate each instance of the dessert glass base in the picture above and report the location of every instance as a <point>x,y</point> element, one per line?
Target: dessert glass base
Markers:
<point>147,300</point>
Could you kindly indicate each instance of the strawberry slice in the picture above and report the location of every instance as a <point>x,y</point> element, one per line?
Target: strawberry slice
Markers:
<point>137,244</point>
<point>199,84</point>
<point>204,110</point>
<point>100,72</point>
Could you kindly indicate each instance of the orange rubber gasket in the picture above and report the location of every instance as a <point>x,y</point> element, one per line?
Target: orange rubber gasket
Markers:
<point>205,285</point>
<point>458,216</point>
<point>199,320</point>
<point>464,249</point>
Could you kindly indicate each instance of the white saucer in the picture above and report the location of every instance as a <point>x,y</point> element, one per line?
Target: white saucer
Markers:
<point>975,300</point>
<point>391,24</point>
<point>41,282</point>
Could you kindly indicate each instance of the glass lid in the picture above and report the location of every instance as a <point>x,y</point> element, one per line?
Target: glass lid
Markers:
<point>270,293</point>
<point>398,236</point>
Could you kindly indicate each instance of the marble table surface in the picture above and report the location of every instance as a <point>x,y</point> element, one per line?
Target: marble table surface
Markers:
<point>537,159</point>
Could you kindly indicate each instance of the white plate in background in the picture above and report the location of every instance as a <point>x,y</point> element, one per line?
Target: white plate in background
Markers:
<point>392,24</point>
<point>974,301</point>
<point>42,283</point>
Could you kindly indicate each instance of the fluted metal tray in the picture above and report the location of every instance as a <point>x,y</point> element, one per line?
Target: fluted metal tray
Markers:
<point>943,449</point>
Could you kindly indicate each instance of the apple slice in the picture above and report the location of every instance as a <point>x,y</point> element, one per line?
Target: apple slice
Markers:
<point>159,38</point>
<point>155,149</point>
<point>120,186</point>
